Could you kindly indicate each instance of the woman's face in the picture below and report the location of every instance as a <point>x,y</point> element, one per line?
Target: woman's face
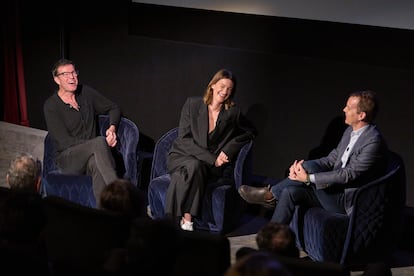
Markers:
<point>222,90</point>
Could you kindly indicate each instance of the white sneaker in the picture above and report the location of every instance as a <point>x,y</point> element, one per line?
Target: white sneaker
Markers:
<point>149,211</point>
<point>187,225</point>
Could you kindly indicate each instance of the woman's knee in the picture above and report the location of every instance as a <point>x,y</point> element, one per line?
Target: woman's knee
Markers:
<point>195,165</point>
<point>195,169</point>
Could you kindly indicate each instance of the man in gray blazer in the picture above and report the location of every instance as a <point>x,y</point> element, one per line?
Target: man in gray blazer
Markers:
<point>329,182</point>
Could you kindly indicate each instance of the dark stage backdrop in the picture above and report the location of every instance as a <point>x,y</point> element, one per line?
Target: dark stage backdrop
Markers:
<point>294,75</point>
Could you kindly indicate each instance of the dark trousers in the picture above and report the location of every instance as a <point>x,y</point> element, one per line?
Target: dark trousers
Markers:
<point>94,157</point>
<point>189,177</point>
<point>290,193</point>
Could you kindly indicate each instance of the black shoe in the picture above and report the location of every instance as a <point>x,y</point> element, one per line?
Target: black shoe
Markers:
<point>256,195</point>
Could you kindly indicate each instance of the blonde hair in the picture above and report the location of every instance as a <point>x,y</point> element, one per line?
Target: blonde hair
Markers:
<point>221,74</point>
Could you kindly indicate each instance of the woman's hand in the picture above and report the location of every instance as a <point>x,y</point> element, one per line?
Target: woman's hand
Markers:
<point>222,158</point>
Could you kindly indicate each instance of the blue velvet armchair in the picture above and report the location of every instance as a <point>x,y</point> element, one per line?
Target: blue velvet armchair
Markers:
<point>370,233</point>
<point>221,207</point>
<point>78,188</point>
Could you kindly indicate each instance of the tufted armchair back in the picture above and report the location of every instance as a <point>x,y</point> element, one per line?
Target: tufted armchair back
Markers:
<point>376,222</point>
<point>162,147</point>
<point>126,148</point>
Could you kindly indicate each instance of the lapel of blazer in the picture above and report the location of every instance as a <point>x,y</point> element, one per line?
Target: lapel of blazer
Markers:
<point>358,143</point>
<point>342,146</point>
<point>361,140</point>
<point>202,122</point>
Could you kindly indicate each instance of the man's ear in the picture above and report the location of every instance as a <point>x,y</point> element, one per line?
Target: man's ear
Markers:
<point>57,80</point>
<point>362,115</point>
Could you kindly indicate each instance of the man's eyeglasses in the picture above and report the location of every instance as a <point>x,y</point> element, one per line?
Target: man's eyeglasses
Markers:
<point>68,74</point>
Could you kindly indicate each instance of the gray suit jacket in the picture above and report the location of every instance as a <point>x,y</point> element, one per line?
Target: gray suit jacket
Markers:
<point>366,161</point>
<point>232,132</point>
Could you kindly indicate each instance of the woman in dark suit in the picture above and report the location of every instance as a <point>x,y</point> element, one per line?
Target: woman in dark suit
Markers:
<point>212,130</point>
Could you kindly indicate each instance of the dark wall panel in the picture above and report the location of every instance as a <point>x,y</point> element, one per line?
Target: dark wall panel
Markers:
<point>289,36</point>
<point>294,75</point>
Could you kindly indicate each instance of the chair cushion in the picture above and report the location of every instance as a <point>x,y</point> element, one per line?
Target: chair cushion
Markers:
<point>323,233</point>
<point>76,188</point>
<point>218,213</point>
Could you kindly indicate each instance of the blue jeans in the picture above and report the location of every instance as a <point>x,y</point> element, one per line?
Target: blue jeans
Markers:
<point>290,193</point>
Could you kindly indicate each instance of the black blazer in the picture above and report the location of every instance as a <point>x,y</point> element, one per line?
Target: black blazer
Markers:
<point>232,130</point>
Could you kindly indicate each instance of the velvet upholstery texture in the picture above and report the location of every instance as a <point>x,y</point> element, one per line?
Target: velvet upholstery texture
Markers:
<point>221,207</point>
<point>78,188</point>
<point>370,233</point>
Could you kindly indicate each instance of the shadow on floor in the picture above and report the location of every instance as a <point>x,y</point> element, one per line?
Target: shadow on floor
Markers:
<point>253,219</point>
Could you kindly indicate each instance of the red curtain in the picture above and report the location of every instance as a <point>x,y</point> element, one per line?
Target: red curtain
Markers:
<point>15,105</point>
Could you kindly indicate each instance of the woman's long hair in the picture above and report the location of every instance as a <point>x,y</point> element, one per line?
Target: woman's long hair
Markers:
<point>221,74</point>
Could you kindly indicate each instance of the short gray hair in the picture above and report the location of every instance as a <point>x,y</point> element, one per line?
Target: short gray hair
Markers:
<point>24,172</point>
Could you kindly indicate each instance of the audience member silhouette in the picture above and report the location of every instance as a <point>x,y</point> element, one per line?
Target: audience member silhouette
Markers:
<point>22,219</point>
<point>277,238</point>
<point>262,263</point>
<point>274,237</point>
<point>122,196</point>
<point>24,173</point>
<point>280,240</point>
<point>150,249</point>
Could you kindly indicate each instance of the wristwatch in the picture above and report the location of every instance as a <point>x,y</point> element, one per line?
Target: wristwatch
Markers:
<point>307,182</point>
